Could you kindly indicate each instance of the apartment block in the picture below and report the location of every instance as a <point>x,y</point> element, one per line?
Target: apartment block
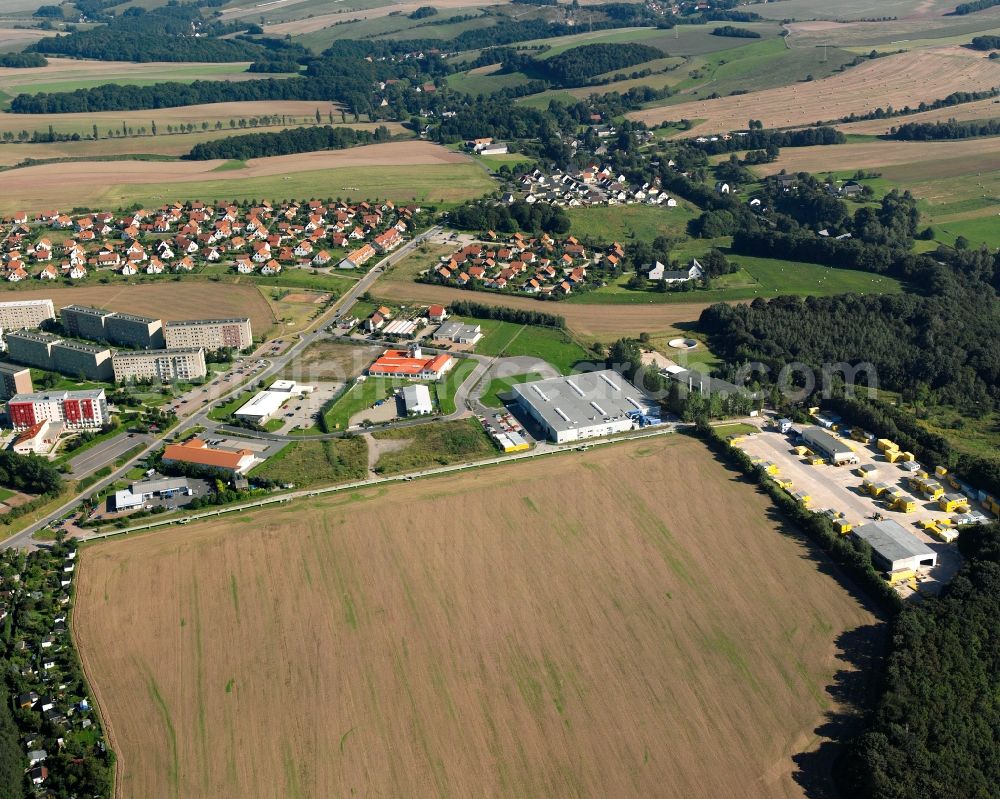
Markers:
<point>84,321</point>
<point>14,379</point>
<point>25,313</point>
<point>73,358</point>
<point>33,349</point>
<point>209,334</point>
<point>170,364</point>
<point>77,410</point>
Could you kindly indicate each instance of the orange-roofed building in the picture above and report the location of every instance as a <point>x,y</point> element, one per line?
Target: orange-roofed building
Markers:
<point>197,453</point>
<point>411,364</point>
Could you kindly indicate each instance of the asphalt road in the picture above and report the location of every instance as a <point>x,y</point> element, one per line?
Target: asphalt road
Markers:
<point>100,455</point>
<point>22,539</point>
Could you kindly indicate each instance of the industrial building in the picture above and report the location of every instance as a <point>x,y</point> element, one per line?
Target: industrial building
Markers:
<point>264,404</point>
<point>417,399</point>
<point>25,313</point>
<point>138,493</point>
<point>14,379</point>
<point>694,382</point>
<point>585,405</point>
<point>833,448</point>
<point>177,364</point>
<point>893,548</point>
<point>209,334</point>
<point>459,332</point>
<point>78,410</point>
<point>197,453</point>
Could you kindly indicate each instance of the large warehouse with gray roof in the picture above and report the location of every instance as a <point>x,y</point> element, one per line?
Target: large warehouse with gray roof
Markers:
<point>585,405</point>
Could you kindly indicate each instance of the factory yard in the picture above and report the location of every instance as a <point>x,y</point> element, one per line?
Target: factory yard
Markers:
<point>839,488</point>
<point>489,640</point>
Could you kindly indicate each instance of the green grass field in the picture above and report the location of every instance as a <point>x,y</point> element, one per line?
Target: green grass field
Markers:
<point>6,493</point>
<point>620,223</point>
<point>435,444</point>
<point>506,339</point>
<point>439,184</point>
<point>485,83</point>
<point>757,277</point>
<point>308,463</point>
<point>502,385</point>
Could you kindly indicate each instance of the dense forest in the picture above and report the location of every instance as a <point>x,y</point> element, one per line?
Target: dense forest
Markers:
<point>285,142</point>
<point>28,473</point>
<point>934,733</point>
<point>22,60</point>
<point>519,215</point>
<point>737,33</point>
<point>516,315</point>
<point>578,65</point>
<point>952,129</point>
<point>985,43</point>
<point>12,759</point>
<point>977,5</point>
<point>761,139</point>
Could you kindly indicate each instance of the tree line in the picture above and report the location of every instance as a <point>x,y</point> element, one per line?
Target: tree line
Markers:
<point>737,33</point>
<point>952,129</point>
<point>29,474</point>
<point>977,5</point>
<point>22,60</point>
<point>578,65</point>
<point>285,142</point>
<point>934,729</point>
<point>519,215</point>
<point>518,316</point>
<point>985,43</point>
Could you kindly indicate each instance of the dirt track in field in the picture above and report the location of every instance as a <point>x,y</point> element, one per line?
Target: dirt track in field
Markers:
<point>602,322</point>
<point>624,622</point>
<point>187,299</point>
<point>897,80</point>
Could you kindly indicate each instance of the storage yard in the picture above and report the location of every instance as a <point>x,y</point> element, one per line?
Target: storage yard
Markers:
<point>879,483</point>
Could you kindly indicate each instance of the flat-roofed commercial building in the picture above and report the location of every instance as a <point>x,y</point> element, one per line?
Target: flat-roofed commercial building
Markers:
<point>210,334</point>
<point>585,405</point>
<point>14,379</point>
<point>186,363</point>
<point>894,548</point>
<point>84,321</point>
<point>78,410</point>
<point>197,453</point>
<point>25,313</point>
<point>833,448</point>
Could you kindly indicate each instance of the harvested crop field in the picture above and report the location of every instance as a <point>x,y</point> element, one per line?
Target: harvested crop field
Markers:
<point>981,109</point>
<point>928,158</point>
<point>187,299</point>
<point>102,184</point>
<point>898,80</point>
<point>318,22</point>
<point>602,322</point>
<point>511,648</point>
<point>13,39</point>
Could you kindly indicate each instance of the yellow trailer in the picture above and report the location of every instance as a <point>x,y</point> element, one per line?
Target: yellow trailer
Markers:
<point>933,489</point>
<point>886,445</point>
<point>816,460</point>
<point>953,482</point>
<point>801,450</point>
<point>783,482</point>
<point>940,471</point>
<point>878,489</point>
<point>802,497</point>
<point>907,456</point>
<point>893,455</point>
<point>842,526</point>
<point>951,503</point>
<point>769,468</point>
<point>904,504</point>
<point>901,576</point>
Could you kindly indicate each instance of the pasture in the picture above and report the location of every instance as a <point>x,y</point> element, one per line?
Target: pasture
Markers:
<point>512,647</point>
<point>186,299</point>
<point>904,79</point>
<point>402,171</point>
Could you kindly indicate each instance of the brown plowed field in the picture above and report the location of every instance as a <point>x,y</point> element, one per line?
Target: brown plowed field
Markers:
<point>187,299</point>
<point>603,322</point>
<point>897,80</point>
<point>625,622</point>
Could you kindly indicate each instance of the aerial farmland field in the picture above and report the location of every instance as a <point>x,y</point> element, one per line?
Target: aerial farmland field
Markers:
<point>509,648</point>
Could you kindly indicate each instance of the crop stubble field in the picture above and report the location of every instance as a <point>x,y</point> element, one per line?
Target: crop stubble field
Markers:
<point>187,299</point>
<point>897,80</point>
<point>399,170</point>
<point>513,648</point>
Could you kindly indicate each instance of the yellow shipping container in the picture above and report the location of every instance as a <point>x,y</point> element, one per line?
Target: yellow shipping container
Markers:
<point>843,527</point>
<point>801,450</point>
<point>902,576</point>
<point>940,471</point>
<point>885,444</point>
<point>816,461</point>
<point>907,456</point>
<point>893,455</point>
<point>949,505</point>
<point>953,482</point>
<point>904,505</point>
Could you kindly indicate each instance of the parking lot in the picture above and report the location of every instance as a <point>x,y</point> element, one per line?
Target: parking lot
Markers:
<point>302,411</point>
<point>840,488</point>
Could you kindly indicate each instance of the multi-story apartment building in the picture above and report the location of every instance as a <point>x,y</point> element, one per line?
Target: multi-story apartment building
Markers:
<point>210,334</point>
<point>75,358</point>
<point>84,321</point>
<point>170,364</point>
<point>127,330</point>
<point>25,313</point>
<point>77,410</point>
<point>14,379</point>
<point>33,349</point>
